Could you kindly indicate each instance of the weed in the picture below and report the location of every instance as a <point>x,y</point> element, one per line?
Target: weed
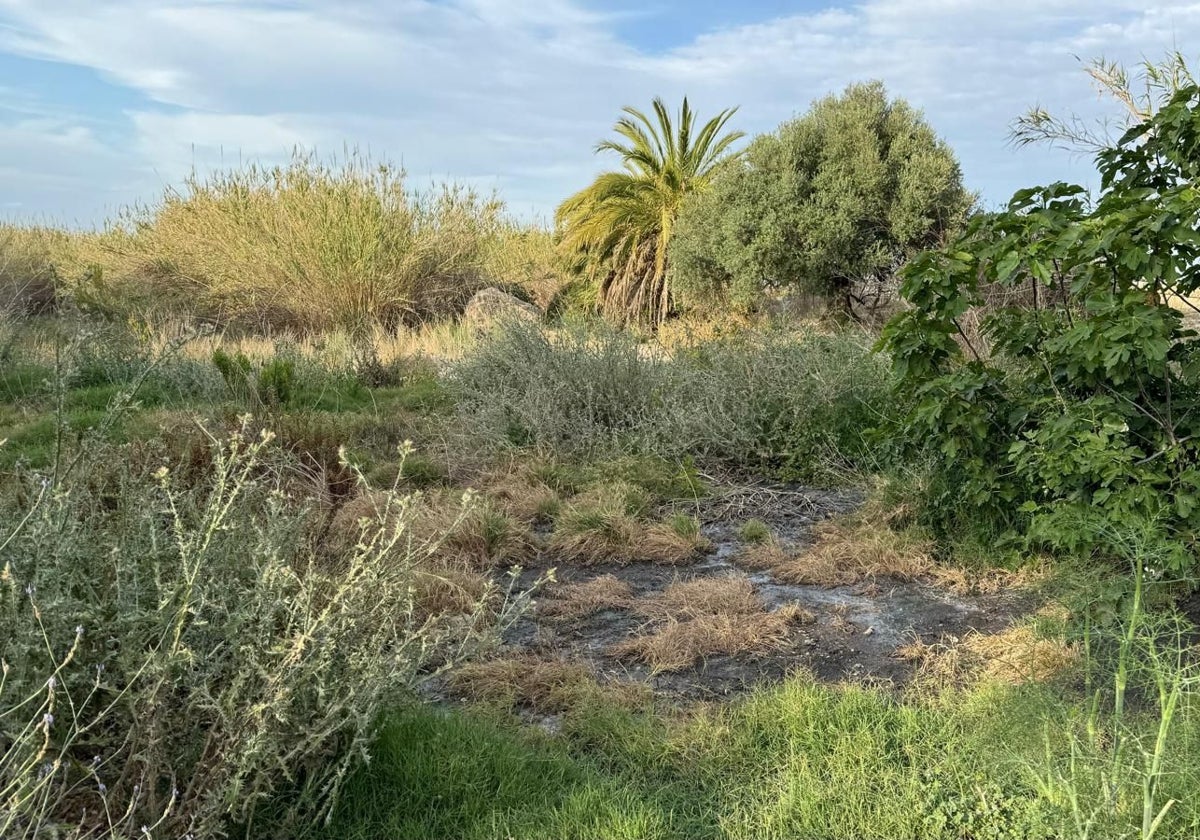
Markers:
<point>754,531</point>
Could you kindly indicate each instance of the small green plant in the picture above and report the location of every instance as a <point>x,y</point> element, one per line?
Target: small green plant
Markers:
<point>276,382</point>
<point>684,525</point>
<point>270,386</point>
<point>422,471</point>
<point>236,371</point>
<point>754,531</point>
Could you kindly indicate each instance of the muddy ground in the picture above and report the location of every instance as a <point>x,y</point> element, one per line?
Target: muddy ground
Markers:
<point>853,634</point>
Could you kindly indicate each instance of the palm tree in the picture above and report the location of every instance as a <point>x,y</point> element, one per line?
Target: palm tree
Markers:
<point>620,225</point>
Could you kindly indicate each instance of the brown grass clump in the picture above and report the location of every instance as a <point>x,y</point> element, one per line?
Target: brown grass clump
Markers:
<point>592,536</point>
<point>725,595</point>
<point>545,686</point>
<point>441,584</point>
<point>762,556</point>
<point>962,581</point>
<point>667,542</point>
<point>473,533</point>
<point>677,645</point>
<point>441,590</point>
<point>521,494</point>
<point>485,536</point>
<point>589,535</point>
<point>1012,657</point>
<point>848,551</point>
<point>576,600</point>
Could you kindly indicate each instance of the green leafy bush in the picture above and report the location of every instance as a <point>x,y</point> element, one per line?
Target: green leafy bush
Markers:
<point>834,199</point>
<point>1083,403</point>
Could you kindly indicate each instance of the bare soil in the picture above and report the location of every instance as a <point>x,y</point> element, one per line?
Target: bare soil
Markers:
<point>854,633</point>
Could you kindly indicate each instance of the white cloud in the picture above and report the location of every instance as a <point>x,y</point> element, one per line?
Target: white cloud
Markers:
<point>514,93</point>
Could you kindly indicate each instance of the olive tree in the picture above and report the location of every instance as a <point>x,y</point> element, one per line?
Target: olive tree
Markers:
<point>833,201</point>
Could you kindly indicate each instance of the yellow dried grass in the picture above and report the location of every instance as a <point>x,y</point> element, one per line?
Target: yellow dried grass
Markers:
<point>545,686</point>
<point>1012,657</point>
<point>677,645</point>
<point>576,600</point>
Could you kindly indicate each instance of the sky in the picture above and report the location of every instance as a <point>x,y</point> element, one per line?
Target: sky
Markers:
<point>105,104</point>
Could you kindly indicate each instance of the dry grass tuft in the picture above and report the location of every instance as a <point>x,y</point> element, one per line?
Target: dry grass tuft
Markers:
<point>677,645</point>
<point>864,547</point>
<point>446,589</point>
<point>986,581</point>
<point>486,537</point>
<point>724,595</point>
<point>1015,656</point>
<point>521,494</point>
<point>545,686</point>
<point>474,534</point>
<point>576,600</point>
<point>588,534</point>
<point>850,550</point>
<point>763,556</point>
<point>443,583</point>
<point>669,544</point>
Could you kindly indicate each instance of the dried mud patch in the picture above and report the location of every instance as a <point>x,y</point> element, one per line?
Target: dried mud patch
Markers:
<point>720,625</point>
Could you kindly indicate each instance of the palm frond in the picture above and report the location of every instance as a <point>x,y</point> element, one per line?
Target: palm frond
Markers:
<point>619,227</point>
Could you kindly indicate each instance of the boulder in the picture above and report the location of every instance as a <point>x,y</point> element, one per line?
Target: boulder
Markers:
<point>491,307</point>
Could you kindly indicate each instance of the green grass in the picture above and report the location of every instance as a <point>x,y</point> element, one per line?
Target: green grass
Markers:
<point>800,760</point>
<point>754,531</point>
<point>455,776</point>
<point>19,380</point>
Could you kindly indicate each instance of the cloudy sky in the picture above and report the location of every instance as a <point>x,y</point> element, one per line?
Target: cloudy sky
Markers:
<point>106,103</point>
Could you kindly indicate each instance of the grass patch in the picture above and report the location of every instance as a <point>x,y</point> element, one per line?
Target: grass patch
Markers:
<point>799,760</point>
<point>436,775</point>
<point>706,617</point>
<point>570,601</point>
<point>590,535</point>
<point>754,531</point>
<point>543,686</point>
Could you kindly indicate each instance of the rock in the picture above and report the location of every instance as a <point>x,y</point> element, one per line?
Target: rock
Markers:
<point>491,307</point>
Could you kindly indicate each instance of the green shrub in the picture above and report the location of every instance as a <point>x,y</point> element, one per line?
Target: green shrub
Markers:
<point>805,407</point>
<point>833,200</point>
<point>581,388</point>
<point>176,654</point>
<point>1080,403</point>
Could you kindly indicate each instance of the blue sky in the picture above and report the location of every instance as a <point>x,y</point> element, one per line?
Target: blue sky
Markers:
<point>105,103</point>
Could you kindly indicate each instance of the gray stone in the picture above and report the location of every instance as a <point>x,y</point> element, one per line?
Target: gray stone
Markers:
<point>491,307</point>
